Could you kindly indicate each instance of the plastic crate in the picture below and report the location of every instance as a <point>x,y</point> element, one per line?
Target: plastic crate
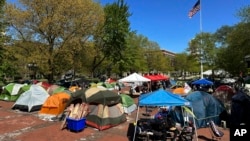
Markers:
<point>76,125</point>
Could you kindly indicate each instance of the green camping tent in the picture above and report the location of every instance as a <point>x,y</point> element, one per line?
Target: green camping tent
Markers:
<point>128,103</point>
<point>105,107</point>
<point>105,116</point>
<point>12,91</point>
<point>101,96</point>
<point>107,85</point>
<point>76,97</point>
<point>127,100</point>
<point>55,89</point>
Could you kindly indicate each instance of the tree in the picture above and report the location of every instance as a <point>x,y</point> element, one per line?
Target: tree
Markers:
<point>5,67</point>
<point>54,23</point>
<point>156,60</point>
<point>231,56</point>
<point>110,42</point>
<point>221,34</point>
<point>186,63</point>
<point>203,48</point>
<point>238,48</point>
<point>2,29</point>
<point>133,55</point>
<point>243,14</point>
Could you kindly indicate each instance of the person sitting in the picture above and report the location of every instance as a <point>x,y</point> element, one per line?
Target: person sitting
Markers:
<point>163,112</point>
<point>166,122</point>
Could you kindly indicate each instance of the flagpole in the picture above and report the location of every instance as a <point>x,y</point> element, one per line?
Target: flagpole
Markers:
<point>193,11</point>
<point>201,50</point>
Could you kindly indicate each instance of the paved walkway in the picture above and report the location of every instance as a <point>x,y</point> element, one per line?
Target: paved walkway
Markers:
<point>23,126</point>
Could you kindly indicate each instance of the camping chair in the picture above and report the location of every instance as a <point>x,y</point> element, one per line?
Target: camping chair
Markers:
<point>215,132</point>
<point>187,132</point>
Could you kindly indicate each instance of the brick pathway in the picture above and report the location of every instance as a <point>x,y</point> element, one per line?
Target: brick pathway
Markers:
<point>23,126</point>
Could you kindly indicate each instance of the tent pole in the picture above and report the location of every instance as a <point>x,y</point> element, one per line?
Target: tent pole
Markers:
<point>184,116</point>
<point>135,123</point>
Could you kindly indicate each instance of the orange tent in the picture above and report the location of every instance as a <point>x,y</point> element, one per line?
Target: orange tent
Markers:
<point>74,88</point>
<point>180,91</point>
<point>55,104</point>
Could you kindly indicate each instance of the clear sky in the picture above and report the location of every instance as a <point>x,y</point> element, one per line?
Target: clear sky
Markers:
<point>167,23</point>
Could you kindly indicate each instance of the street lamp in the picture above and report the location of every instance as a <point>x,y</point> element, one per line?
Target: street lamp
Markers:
<point>32,67</point>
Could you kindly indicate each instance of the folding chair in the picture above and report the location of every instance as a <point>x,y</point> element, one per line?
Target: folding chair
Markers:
<point>186,134</point>
<point>215,132</point>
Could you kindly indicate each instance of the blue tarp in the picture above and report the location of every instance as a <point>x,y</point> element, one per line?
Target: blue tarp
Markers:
<point>162,98</point>
<point>202,82</point>
<point>205,108</point>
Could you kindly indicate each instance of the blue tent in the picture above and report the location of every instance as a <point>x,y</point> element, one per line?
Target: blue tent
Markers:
<point>205,108</point>
<point>202,82</point>
<point>162,98</point>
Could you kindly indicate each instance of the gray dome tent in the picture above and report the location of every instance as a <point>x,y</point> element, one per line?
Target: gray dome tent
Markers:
<point>31,100</point>
<point>205,108</point>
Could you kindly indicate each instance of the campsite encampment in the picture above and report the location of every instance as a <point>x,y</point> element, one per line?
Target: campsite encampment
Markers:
<point>106,107</point>
<point>23,126</point>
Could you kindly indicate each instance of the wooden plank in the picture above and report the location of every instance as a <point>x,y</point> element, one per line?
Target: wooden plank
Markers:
<point>85,110</point>
<point>79,112</point>
<point>75,110</point>
<point>67,113</point>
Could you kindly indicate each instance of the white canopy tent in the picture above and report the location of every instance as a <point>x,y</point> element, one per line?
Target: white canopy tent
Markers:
<point>216,72</point>
<point>134,77</point>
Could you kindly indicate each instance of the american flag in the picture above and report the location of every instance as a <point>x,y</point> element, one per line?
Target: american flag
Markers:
<point>195,9</point>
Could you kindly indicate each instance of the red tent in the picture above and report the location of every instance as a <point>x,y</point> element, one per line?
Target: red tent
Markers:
<point>110,80</point>
<point>157,77</point>
<point>161,77</point>
<point>151,77</point>
<point>44,84</point>
<point>224,93</point>
<point>225,88</point>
